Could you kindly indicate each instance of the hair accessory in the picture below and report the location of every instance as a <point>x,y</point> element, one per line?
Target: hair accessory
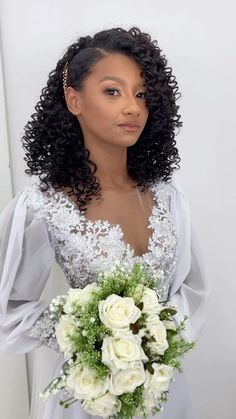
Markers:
<point>65,76</point>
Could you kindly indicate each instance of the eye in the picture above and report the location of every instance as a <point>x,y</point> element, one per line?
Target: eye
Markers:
<point>143,93</point>
<point>116,90</point>
<point>111,90</point>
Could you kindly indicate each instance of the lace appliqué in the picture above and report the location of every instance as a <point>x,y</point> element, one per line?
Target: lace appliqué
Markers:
<point>44,330</point>
<point>83,248</point>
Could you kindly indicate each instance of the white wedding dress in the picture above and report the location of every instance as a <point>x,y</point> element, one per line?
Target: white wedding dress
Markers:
<point>37,228</point>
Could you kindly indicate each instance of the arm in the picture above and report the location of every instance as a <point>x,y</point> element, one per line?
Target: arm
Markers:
<point>189,290</point>
<point>26,259</point>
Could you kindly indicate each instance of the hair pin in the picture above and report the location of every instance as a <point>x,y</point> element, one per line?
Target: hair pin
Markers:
<point>65,76</point>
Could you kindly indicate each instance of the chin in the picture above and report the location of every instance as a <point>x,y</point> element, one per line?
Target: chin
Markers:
<point>127,143</point>
<point>129,139</point>
<point>132,143</point>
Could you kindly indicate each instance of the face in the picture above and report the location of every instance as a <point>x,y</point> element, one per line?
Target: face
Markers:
<point>113,94</point>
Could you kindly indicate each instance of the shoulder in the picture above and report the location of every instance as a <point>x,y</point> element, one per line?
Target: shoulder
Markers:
<point>174,189</point>
<point>36,199</point>
<point>29,203</point>
<point>168,191</point>
<point>18,217</point>
<point>172,186</point>
<point>176,198</point>
<point>26,195</point>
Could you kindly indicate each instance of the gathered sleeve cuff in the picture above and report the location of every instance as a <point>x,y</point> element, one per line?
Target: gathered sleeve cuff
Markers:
<point>189,290</point>
<point>26,259</point>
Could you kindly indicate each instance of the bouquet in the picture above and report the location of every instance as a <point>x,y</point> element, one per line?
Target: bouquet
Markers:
<point>121,345</point>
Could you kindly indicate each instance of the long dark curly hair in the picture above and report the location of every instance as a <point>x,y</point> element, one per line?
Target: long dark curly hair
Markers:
<point>53,138</point>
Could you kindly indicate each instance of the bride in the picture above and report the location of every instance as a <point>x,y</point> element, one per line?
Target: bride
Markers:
<point>102,142</point>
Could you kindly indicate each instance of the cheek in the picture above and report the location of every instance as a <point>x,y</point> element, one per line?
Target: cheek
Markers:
<point>103,114</point>
<point>106,117</point>
<point>102,121</point>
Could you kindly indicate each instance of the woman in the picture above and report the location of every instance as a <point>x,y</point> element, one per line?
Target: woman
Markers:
<point>102,142</point>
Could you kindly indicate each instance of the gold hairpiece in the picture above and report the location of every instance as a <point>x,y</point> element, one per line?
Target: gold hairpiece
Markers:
<point>65,76</point>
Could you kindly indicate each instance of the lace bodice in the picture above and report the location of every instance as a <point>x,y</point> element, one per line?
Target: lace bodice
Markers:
<point>38,227</point>
<point>84,247</point>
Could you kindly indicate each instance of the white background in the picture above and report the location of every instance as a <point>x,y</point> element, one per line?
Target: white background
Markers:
<point>198,39</point>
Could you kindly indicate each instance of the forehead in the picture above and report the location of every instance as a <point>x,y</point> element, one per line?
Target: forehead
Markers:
<point>117,65</point>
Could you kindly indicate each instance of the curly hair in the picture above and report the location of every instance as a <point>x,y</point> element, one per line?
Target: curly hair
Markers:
<point>53,137</point>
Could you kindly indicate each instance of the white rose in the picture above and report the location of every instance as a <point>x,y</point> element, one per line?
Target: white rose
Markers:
<point>156,329</point>
<point>150,300</point>
<point>141,332</point>
<point>65,326</point>
<point>79,295</point>
<point>169,324</point>
<point>122,349</point>
<point>149,402</point>
<point>105,406</point>
<point>82,382</point>
<point>118,313</point>
<point>159,381</point>
<point>126,380</point>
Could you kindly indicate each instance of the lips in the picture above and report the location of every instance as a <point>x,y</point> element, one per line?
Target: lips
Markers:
<point>129,128</point>
<point>129,125</point>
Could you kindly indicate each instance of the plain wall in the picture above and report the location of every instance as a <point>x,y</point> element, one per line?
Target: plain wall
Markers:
<point>198,39</point>
<point>13,370</point>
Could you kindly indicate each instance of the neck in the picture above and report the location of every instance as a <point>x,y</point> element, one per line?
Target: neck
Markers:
<point>111,165</point>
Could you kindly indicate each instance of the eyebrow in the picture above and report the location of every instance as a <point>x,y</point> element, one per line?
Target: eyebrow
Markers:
<point>114,78</point>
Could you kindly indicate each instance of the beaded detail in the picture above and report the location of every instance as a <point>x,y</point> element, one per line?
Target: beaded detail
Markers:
<point>83,247</point>
<point>44,330</point>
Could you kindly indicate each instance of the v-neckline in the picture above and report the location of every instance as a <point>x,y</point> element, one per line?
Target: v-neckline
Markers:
<point>116,226</point>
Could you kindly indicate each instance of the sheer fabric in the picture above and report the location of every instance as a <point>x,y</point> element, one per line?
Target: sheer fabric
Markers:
<point>38,228</point>
<point>131,210</point>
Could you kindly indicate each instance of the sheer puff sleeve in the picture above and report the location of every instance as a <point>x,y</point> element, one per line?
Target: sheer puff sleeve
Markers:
<point>26,259</point>
<point>189,291</point>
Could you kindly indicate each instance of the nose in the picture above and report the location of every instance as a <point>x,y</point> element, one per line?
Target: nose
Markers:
<point>131,106</point>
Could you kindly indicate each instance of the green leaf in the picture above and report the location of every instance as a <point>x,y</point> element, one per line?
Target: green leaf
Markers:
<point>168,311</point>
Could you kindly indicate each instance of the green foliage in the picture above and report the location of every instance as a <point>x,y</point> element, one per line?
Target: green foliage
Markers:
<point>167,312</point>
<point>56,307</point>
<point>124,284</point>
<point>119,283</point>
<point>67,403</point>
<point>89,346</point>
<point>129,403</point>
<point>177,346</point>
<point>54,384</point>
<point>88,334</point>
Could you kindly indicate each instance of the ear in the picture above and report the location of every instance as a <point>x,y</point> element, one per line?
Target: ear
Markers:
<point>72,98</point>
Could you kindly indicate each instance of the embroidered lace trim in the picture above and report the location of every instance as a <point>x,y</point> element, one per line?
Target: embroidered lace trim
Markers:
<point>44,330</point>
<point>83,248</point>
